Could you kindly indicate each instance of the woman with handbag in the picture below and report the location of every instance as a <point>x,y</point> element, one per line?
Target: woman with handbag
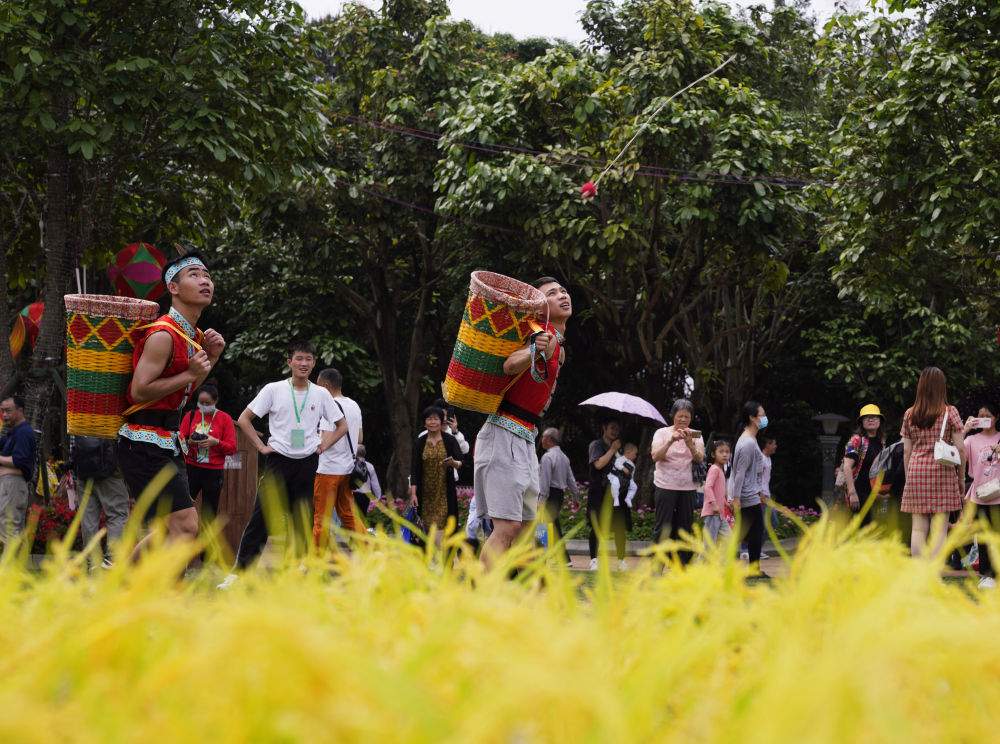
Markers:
<point>983,455</point>
<point>432,488</point>
<point>933,455</point>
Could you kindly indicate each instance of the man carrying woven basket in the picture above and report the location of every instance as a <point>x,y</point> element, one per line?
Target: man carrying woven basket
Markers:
<point>505,478</point>
<point>172,359</point>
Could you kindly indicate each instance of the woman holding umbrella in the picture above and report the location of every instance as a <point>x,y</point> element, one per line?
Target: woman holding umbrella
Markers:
<point>674,449</point>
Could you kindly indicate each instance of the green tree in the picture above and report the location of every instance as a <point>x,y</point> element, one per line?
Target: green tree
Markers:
<point>366,246</point>
<point>146,117</point>
<point>693,259</point>
<point>910,213</point>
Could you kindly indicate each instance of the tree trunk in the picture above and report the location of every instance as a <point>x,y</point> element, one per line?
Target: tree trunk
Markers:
<point>48,350</point>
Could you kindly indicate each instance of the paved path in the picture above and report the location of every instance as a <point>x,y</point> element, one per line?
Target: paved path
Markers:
<point>579,553</point>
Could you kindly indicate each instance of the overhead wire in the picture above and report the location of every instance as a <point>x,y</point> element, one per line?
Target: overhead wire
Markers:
<point>581,161</point>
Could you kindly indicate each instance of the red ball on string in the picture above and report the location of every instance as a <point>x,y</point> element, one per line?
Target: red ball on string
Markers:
<point>588,190</point>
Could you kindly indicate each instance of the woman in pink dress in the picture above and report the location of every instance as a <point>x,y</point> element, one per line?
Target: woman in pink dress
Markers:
<point>983,455</point>
<point>932,489</point>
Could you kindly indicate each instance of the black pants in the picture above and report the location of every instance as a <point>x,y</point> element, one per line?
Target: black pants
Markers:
<point>621,520</point>
<point>141,462</point>
<point>284,477</point>
<point>207,482</point>
<point>362,500</point>
<point>553,505</point>
<point>674,513</point>
<point>992,515</point>
<point>752,530</point>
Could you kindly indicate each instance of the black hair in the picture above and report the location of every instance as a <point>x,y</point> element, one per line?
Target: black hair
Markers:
<point>543,280</point>
<point>17,399</point>
<point>716,443</point>
<point>209,388</point>
<point>880,434</point>
<point>300,345</point>
<point>767,439</point>
<point>332,377</point>
<point>607,418</point>
<point>434,411</point>
<point>750,409</point>
<point>991,406</point>
<point>189,254</point>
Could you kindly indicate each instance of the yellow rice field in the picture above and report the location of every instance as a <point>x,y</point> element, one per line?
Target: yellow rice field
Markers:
<point>858,643</point>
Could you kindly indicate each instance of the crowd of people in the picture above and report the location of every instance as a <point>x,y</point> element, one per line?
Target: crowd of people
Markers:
<point>315,471</point>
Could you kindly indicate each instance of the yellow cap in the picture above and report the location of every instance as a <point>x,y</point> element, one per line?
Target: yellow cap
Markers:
<point>870,410</point>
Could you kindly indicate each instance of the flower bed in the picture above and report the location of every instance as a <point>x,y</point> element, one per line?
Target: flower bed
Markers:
<point>574,513</point>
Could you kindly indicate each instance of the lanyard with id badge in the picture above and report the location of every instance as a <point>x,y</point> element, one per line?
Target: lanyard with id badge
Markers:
<point>298,433</point>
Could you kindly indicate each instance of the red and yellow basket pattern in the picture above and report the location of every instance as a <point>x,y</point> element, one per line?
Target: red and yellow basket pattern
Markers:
<point>99,346</point>
<point>500,314</point>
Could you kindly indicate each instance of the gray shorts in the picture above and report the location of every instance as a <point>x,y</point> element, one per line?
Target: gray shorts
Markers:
<point>15,497</point>
<point>505,479</point>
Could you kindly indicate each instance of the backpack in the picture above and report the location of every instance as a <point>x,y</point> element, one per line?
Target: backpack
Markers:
<point>92,457</point>
<point>890,462</point>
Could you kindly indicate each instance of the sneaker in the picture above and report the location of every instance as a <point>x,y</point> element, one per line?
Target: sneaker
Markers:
<point>622,565</point>
<point>744,556</point>
<point>106,563</point>
<point>987,582</point>
<point>228,582</point>
<point>593,564</point>
<point>763,555</point>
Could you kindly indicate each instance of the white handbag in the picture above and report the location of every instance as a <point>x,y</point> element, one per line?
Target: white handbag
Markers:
<point>989,492</point>
<point>944,453</point>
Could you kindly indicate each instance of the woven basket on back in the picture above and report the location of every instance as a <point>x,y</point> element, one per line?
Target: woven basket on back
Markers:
<point>500,314</point>
<point>99,348</point>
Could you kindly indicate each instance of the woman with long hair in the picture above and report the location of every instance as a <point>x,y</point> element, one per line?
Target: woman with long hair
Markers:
<point>932,489</point>
<point>862,449</point>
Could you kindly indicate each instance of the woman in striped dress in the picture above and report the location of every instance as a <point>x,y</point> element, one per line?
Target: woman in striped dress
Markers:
<point>932,489</point>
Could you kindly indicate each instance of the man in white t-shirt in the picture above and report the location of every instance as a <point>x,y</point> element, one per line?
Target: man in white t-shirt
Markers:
<point>294,408</point>
<point>332,486</point>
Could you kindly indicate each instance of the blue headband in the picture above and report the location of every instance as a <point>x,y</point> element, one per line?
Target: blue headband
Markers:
<point>181,265</point>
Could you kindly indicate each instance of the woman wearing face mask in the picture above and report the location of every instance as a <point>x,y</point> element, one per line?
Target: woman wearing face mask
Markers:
<point>208,435</point>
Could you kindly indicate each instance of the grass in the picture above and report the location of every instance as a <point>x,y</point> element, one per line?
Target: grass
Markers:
<point>858,643</point>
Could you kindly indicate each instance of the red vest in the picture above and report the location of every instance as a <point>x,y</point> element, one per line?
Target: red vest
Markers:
<point>177,364</point>
<point>529,395</point>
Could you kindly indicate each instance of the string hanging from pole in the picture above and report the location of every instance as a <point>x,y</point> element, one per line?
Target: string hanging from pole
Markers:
<point>589,189</point>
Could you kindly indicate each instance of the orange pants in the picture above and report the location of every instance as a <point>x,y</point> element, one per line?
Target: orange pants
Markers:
<point>332,492</point>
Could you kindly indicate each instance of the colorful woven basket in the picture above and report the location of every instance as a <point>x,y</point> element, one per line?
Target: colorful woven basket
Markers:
<point>500,314</point>
<point>99,346</point>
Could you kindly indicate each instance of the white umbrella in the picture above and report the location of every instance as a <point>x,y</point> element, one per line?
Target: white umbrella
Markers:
<point>625,403</point>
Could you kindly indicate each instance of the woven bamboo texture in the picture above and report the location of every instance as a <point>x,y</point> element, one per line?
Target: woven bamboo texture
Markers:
<point>99,347</point>
<point>500,314</point>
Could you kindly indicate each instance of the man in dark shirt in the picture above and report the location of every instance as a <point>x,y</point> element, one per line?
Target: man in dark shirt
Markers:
<point>17,462</point>
<point>601,458</point>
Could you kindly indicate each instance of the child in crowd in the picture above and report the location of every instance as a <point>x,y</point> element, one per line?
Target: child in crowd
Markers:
<point>717,515</point>
<point>621,476</point>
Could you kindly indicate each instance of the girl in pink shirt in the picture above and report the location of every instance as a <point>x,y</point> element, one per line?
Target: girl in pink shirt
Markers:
<point>983,458</point>
<point>716,512</point>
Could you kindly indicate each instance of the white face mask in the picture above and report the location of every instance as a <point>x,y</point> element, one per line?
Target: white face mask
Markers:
<point>206,409</point>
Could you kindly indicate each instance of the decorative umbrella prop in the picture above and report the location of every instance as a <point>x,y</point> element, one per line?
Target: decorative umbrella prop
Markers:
<point>625,403</point>
<point>136,271</point>
<point>26,326</point>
